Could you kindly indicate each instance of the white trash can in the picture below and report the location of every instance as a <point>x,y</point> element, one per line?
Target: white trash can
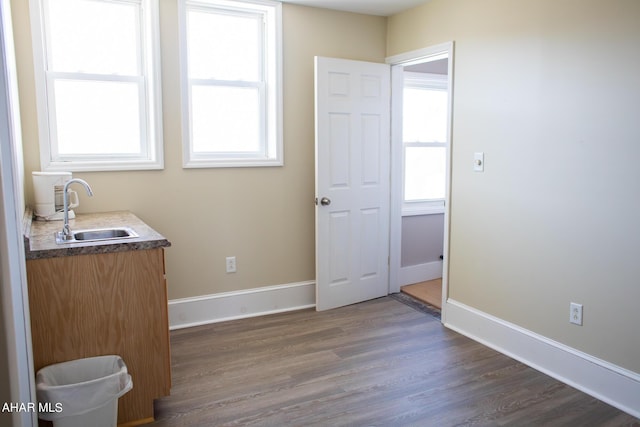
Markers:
<point>83,392</point>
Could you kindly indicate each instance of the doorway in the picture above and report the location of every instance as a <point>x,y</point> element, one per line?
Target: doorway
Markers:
<point>420,217</point>
<point>354,151</point>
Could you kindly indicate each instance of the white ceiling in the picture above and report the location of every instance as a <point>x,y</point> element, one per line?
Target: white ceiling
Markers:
<point>369,7</point>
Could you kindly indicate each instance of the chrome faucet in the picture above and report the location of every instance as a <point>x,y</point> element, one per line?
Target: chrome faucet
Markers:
<point>65,234</point>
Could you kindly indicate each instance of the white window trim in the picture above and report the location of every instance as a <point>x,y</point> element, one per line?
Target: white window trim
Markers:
<point>422,208</point>
<point>153,157</point>
<point>430,206</point>
<point>273,97</point>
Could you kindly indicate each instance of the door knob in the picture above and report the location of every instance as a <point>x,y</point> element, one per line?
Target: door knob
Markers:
<point>325,201</point>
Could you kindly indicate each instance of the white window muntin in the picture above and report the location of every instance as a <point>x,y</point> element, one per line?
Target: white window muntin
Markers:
<point>269,86</point>
<point>148,154</point>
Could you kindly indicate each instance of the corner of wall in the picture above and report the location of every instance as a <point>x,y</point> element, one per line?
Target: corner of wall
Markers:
<point>603,380</point>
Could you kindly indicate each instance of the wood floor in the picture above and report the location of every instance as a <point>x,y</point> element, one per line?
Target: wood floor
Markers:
<point>429,292</point>
<point>378,363</point>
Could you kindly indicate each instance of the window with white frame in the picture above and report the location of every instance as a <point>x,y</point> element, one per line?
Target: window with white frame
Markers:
<point>231,83</point>
<point>424,134</point>
<point>98,84</point>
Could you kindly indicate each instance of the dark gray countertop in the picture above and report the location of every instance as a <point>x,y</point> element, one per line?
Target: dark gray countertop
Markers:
<point>40,239</point>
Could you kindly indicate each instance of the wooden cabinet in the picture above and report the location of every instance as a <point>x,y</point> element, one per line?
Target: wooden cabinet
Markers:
<point>98,304</point>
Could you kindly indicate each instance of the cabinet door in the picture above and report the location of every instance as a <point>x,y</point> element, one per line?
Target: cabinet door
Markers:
<point>116,303</point>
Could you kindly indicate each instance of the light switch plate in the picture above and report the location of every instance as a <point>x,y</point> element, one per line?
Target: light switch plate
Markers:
<point>478,162</point>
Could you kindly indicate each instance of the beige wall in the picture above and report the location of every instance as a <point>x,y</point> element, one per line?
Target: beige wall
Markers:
<point>550,91</point>
<point>422,239</point>
<point>263,216</point>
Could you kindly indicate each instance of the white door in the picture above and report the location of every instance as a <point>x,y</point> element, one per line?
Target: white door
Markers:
<point>352,181</point>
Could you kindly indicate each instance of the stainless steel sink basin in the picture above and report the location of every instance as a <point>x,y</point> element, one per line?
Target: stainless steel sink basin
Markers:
<point>97,234</point>
<point>102,234</point>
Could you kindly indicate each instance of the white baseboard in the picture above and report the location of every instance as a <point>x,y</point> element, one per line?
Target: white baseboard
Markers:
<point>187,312</point>
<point>605,381</point>
<point>420,273</point>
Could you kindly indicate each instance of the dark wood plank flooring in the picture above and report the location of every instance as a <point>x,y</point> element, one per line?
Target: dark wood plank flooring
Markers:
<point>378,363</point>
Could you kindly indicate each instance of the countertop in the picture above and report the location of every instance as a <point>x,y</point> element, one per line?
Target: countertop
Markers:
<point>40,239</point>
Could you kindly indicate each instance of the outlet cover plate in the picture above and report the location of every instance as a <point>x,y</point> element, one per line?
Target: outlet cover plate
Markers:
<point>231,264</point>
<point>575,313</point>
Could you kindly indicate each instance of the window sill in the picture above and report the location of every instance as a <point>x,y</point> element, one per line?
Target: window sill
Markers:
<point>415,211</point>
<point>103,166</point>
<point>232,163</point>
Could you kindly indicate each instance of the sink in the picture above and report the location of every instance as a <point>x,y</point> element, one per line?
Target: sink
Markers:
<point>97,234</point>
<point>103,234</point>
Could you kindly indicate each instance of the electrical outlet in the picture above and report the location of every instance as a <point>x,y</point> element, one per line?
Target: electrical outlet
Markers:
<point>575,313</point>
<point>231,264</point>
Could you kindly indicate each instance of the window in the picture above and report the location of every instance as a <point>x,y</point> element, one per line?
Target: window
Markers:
<point>98,84</point>
<point>424,134</point>
<point>231,84</point>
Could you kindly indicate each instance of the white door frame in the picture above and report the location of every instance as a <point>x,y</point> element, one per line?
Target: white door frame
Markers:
<point>13,277</point>
<point>397,62</point>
